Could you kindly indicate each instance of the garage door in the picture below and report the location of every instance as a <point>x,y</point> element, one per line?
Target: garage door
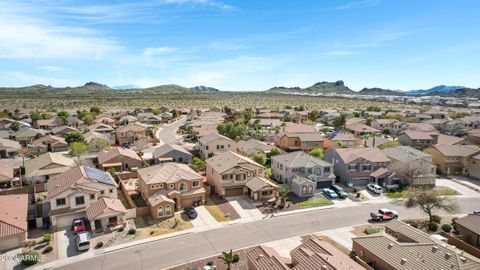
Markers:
<point>324,184</point>
<point>188,202</point>
<point>361,181</point>
<point>10,242</point>
<point>66,221</point>
<point>234,192</point>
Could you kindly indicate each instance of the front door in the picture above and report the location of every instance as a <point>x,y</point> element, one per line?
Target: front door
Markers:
<point>112,221</point>
<point>98,226</point>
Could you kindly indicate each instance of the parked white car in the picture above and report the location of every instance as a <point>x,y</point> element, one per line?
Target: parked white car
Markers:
<point>82,240</point>
<point>375,188</point>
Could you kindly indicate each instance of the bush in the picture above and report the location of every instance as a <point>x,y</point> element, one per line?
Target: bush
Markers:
<point>371,230</point>
<point>354,190</point>
<point>120,229</point>
<point>30,258</point>
<point>412,223</point>
<point>236,258</point>
<point>432,226</point>
<point>281,206</point>
<point>210,263</point>
<point>47,237</point>
<point>99,245</point>
<point>454,220</point>
<point>132,231</point>
<point>358,195</point>
<point>436,219</point>
<point>446,228</point>
<point>47,250</point>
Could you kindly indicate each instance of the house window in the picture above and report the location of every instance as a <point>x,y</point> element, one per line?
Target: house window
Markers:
<point>160,211</point>
<point>195,183</point>
<point>182,186</point>
<point>225,177</point>
<point>61,201</point>
<point>367,168</point>
<point>352,167</point>
<point>79,200</point>
<point>326,170</point>
<point>264,193</point>
<point>92,196</point>
<point>111,191</point>
<point>206,147</point>
<point>168,210</point>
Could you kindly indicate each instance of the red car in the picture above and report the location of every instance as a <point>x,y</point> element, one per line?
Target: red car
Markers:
<point>79,225</point>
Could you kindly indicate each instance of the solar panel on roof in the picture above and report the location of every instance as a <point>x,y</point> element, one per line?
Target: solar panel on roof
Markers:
<point>98,175</point>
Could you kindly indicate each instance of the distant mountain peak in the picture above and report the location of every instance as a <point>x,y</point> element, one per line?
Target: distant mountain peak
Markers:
<point>323,87</point>
<point>96,85</point>
<point>204,88</point>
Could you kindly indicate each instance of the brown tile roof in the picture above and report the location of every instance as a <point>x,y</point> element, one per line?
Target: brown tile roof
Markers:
<point>158,198</point>
<point>266,258</point>
<point>49,139</point>
<point>131,127</point>
<point>75,177</point>
<point>379,172</point>
<point>344,137</point>
<point>105,157</point>
<point>471,222</point>
<point>257,183</point>
<point>13,214</point>
<point>104,205</point>
<point>408,231</point>
<point>168,173</point>
<point>372,154</point>
<point>425,127</point>
<point>418,135</point>
<point>6,169</point>
<point>457,150</point>
<point>35,166</point>
<point>227,160</point>
<point>309,137</point>
<point>297,128</point>
<point>408,256</point>
<point>448,140</point>
<point>359,127</point>
<point>6,143</point>
<point>212,137</point>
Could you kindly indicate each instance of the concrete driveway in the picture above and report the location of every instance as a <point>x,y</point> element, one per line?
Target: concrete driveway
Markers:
<point>204,220</point>
<point>465,191</point>
<point>66,243</point>
<point>246,208</point>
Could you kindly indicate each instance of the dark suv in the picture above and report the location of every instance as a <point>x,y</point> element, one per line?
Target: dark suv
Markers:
<point>340,192</point>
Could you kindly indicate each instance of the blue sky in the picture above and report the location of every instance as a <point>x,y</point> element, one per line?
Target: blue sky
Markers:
<point>241,45</point>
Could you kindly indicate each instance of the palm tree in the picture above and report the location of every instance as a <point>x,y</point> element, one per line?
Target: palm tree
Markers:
<point>283,190</point>
<point>227,258</point>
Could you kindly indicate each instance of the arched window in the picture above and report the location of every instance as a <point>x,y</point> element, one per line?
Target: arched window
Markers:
<point>182,186</point>
<point>304,190</point>
<point>310,189</point>
<point>318,171</point>
<point>160,211</point>
<point>168,210</point>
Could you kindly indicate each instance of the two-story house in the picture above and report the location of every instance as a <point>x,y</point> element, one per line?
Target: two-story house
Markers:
<point>453,159</point>
<point>171,152</point>
<point>299,141</point>
<point>119,158</point>
<point>393,125</point>
<point>414,166</point>
<point>131,133</point>
<point>43,167</point>
<point>49,143</point>
<point>285,167</point>
<point>252,146</point>
<point>229,172</point>
<point>215,143</point>
<point>168,187</point>
<point>354,166</point>
<point>84,192</point>
<point>418,139</point>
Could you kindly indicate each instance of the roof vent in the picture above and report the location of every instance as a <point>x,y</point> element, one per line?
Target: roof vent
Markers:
<point>260,256</point>
<point>390,245</point>
<point>463,259</point>
<point>403,261</point>
<point>447,256</point>
<point>324,267</point>
<point>434,248</point>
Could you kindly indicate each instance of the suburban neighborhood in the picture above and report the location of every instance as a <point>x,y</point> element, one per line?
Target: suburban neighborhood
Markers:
<point>136,178</point>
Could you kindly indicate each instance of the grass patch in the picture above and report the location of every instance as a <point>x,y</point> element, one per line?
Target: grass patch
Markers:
<point>396,194</point>
<point>216,213</point>
<point>314,202</point>
<point>371,230</point>
<point>446,191</point>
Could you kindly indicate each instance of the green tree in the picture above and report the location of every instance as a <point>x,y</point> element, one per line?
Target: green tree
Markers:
<point>373,108</point>
<point>15,126</point>
<point>95,110</point>
<point>427,200</point>
<point>386,131</point>
<point>283,190</point>
<point>389,144</point>
<point>317,152</point>
<point>74,136</point>
<point>228,258</point>
<point>198,164</point>
<point>314,115</point>
<point>174,113</point>
<point>76,149</point>
<point>233,131</point>
<point>259,158</point>
<point>369,121</point>
<point>340,121</point>
<point>275,151</point>
<point>64,116</point>
<point>98,145</point>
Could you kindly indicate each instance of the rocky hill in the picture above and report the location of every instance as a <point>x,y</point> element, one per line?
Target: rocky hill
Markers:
<point>337,87</point>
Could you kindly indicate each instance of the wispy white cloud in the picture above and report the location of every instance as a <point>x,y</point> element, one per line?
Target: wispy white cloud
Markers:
<point>50,68</point>
<point>35,79</point>
<point>359,3</point>
<point>23,37</point>
<point>152,52</point>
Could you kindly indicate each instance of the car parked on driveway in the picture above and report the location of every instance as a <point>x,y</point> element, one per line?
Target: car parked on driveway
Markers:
<point>375,188</point>
<point>329,193</point>
<point>190,212</point>
<point>79,225</point>
<point>82,240</point>
<point>340,192</point>
<point>384,214</point>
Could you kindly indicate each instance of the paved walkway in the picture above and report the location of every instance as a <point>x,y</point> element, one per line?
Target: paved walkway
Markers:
<point>204,220</point>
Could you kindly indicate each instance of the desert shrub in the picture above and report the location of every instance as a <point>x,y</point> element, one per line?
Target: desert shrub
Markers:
<point>432,226</point>
<point>358,195</point>
<point>47,237</point>
<point>281,206</point>
<point>437,219</point>
<point>99,245</point>
<point>412,223</point>
<point>454,220</point>
<point>446,228</point>
<point>236,258</point>
<point>120,229</point>
<point>30,258</point>
<point>132,231</point>
<point>354,190</point>
<point>371,230</point>
<point>47,250</point>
